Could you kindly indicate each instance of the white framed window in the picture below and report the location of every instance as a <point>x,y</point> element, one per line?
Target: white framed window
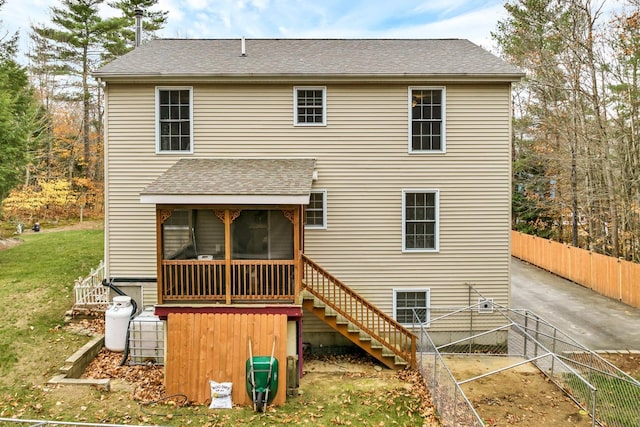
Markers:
<point>174,120</point>
<point>411,306</point>
<point>309,106</point>
<point>315,213</point>
<point>427,124</point>
<point>420,220</point>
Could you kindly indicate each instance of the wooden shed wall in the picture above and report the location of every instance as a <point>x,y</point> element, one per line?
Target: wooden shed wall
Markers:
<point>215,346</point>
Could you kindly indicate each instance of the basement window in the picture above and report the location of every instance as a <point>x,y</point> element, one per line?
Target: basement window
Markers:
<point>411,306</point>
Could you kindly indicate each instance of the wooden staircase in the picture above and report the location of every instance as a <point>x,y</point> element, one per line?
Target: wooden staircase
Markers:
<point>355,318</point>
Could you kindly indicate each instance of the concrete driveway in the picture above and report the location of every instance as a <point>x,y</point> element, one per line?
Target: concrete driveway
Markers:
<point>592,320</point>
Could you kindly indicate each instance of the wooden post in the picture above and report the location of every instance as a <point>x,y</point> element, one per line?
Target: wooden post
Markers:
<point>227,255</point>
<point>161,216</point>
<point>297,251</point>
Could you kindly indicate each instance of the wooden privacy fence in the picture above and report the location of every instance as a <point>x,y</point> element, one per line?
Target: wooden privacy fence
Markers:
<point>612,277</point>
<point>215,346</point>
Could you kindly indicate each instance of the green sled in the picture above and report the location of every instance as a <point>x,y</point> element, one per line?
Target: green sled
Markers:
<point>265,372</point>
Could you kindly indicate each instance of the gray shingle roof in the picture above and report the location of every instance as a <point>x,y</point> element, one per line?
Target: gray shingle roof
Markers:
<point>249,177</point>
<point>309,57</point>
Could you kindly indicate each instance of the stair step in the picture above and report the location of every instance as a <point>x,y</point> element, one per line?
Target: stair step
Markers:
<point>387,353</point>
<point>399,361</point>
<point>376,344</point>
<point>353,328</point>
<point>329,312</point>
<point>348,329</point>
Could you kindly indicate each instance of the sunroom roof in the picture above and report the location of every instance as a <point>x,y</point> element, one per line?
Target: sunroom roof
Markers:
<point>233,181</point>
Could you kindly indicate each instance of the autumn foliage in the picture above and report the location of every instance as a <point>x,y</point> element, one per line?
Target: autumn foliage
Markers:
<point>63,185</point>
<point>54,200</point>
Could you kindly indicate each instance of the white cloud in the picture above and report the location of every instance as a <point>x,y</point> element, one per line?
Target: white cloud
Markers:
<point>475,26</point>
<point>440,6</point>
<point>175,11</point>
<point>15,18</point>
<point>198,4</point>
<point>297,18</point>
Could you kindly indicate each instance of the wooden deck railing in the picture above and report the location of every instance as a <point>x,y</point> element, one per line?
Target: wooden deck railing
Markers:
<point>249,280</point>
<point>359,311</point>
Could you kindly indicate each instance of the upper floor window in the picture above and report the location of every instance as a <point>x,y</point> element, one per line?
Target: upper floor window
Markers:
<point>174,132</point>
<point>310,106</point>
<point>420,220</point>
<point>316,210</point>
<point>427,120</point>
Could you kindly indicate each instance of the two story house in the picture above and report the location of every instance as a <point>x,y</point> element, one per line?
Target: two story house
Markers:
<point>279,192</point>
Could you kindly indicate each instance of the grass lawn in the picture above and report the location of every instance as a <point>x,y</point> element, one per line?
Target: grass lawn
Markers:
<point>36,288</point>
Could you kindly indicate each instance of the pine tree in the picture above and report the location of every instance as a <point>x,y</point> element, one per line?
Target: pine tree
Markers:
<point>77,35</point>
<point>80,40</point>
<point>17,112</point>
<point>122,40</point>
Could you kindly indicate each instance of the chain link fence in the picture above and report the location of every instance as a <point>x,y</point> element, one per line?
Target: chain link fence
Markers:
<point>454,409</point>
<point>610,396</point>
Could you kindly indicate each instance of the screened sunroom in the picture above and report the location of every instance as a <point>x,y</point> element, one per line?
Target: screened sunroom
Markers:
<point>225,243</point>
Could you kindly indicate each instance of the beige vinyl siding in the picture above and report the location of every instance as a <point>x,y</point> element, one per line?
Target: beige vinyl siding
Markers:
<point>150,294</point>
<point>131,164</point>
<point>362,162</point>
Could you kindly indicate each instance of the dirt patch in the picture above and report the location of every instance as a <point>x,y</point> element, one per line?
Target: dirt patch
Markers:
<point>9,243</point>
<point>146,382</point>
<point>84,225</point>
<point>90,324</point>
<point>626,362</point>
<point>520,396</point>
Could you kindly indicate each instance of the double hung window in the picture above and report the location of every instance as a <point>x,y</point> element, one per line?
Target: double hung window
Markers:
<point>420,220</point>
<point>316,210</point>
<point>174,133</point>
<point>426,120</point>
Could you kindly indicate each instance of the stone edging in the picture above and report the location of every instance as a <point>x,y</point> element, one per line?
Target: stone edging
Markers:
<point>76,364</point>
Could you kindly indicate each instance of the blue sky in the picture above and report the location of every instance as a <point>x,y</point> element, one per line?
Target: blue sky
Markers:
<point>469,19</point>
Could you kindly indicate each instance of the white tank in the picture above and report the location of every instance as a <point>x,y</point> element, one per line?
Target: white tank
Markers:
<point>117,322</point>
<point>146,339</point>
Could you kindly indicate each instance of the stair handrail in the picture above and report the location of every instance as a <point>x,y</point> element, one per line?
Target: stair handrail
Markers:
<point>405,348</point>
